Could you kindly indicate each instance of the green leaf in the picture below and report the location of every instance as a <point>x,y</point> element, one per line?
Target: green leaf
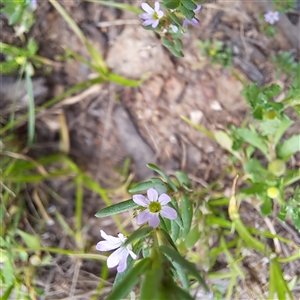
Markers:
<point>254,167</point>
<point>178,220</point>
<point>254,139</point>
<point>32,46</point>
<point>163,175</point>
<point>176,52</point>
<point>116,208</point>
<point>272,90</point>
<point>266,208</point>
<point>286,122</point>
<point>178,44</point>
<point>295,215</point>
<point>189,14</point>
<point>193,237</point>
<point>153,277</point>
<point>180,293</point>
<point>6,294</point>
<point>159,185</point>
<point>175,19</point>
<point>155,183</point>
<point>226,142</point>
<point>171,4</point>
<point>167,43</point>
<point>189,267</point>
<point>175,230</point>
<point>183,179</point>
<point>141,187</point>
<point>269,126</point>
<point>124,81</point>
<point>138,234</point>
<point>169,239</point>
<point>31,241</point>
<point>182,276</point>
<point>31,111</point>
<point>187,214</point>
<point>289,147</point>
<point>189,4</point>
<point>129,281</point>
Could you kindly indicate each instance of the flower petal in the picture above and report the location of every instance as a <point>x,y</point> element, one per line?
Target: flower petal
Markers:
<point>185,22</point>
<point>164,198</point>
<point>194,22</point>
<point>143,217</point>
<point>147,8</point>
<point>140,199</point>
<point>114,259</point>
<point>155,23</point>
<point>123,262</point>
<point>156,6</point>
<point>107,245</point>
<point>145,16</point>
<point>152,193</point>
<point>198,8</point>
<point>174,29</point>
<point>168,212</point>
<point>133,255</point>
<point>109,238</point>
<point>154,220</point>
<point>147,22</point>
<point>160,14</point>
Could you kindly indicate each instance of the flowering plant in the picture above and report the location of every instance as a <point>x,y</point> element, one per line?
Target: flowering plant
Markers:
<point>166,19</point>
<point>154,253</point>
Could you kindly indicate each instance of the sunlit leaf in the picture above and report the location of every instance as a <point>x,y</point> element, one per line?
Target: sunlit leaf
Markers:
<point>289,147</point>
<point>31,241</point>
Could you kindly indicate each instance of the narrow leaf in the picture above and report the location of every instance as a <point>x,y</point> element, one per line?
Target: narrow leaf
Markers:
<point>122,290</point>
<point>138,234</point>
<point>31,241</point>
<point>164,175</point>
<point>187,214</point>
<point>190,268</point>
<point>116,209</point>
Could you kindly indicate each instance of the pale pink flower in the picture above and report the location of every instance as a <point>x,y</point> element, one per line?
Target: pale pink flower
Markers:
<point>155,206</point>
<point>119,256</point>
<point>152,16</point>
<point>271,17</point>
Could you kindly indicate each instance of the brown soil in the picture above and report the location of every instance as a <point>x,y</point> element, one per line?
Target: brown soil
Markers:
<point>109,123</point>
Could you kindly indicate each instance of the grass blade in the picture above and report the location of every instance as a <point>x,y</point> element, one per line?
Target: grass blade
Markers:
<point>31,110</point>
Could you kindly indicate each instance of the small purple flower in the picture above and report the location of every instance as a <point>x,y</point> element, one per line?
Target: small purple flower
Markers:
<point>152,16</point>
<point>194,21</point>
<point>272,17</point>
<point>119,256</point>
<point>155,206</point>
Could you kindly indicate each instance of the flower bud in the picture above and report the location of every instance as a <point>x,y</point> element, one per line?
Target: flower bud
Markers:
<point>277,167</point>
<point>272,192</point>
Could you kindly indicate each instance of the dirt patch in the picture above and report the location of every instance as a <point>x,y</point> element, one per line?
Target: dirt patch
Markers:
<point>109,123</point>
